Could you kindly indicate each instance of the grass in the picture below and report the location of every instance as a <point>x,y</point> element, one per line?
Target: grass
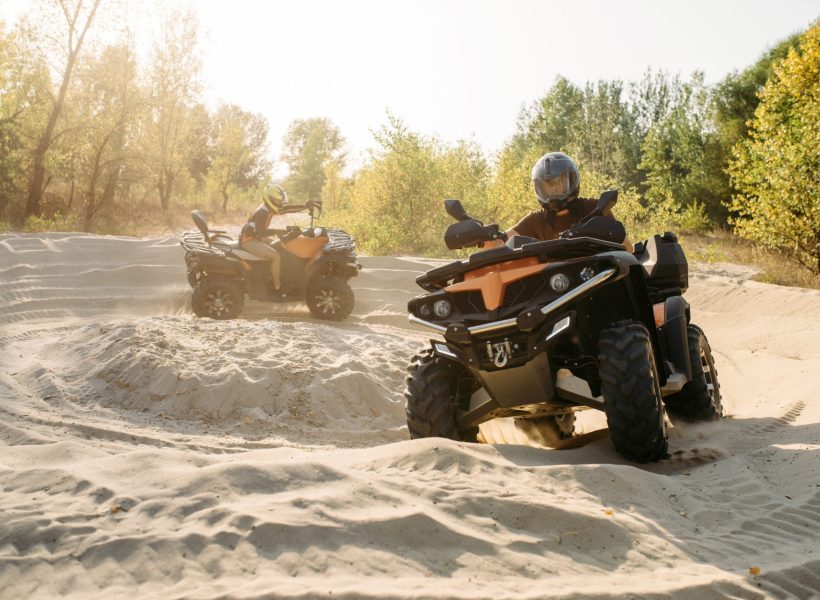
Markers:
<point>772,267</point>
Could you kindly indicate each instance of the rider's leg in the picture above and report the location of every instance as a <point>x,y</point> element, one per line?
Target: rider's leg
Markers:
<point>262,250</point>
<point>275,269</point>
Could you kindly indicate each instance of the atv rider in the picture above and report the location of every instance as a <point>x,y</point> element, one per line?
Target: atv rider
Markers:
<point>254,233</point>
<point>557,181</point>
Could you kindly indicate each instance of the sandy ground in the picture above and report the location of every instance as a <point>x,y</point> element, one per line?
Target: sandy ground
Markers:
<point>146,453</point>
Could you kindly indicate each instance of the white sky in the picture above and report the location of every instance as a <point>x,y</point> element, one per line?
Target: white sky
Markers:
<point>459,68</point>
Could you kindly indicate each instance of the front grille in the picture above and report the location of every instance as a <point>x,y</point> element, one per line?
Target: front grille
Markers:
<point>468,302</point>
<point>523,290</point>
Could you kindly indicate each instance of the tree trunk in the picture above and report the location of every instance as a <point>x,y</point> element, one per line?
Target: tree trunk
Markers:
<point>38,171</point>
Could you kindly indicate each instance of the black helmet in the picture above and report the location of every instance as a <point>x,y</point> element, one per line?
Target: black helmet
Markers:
<point>556,180</point>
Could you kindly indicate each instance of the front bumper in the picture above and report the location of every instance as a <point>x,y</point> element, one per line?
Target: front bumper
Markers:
<point>525,321</point>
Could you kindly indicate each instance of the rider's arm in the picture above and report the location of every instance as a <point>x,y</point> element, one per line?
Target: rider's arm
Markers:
<point>292,208</point>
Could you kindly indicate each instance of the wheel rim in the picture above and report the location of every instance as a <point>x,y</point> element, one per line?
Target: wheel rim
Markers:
<point>328,301</point>
<point>709,378</point>
<point>219,302</point>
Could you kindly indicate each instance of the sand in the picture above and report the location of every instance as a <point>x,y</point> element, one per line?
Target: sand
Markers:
<point>146,453</point>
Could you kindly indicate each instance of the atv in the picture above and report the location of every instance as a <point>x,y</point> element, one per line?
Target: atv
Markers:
<point>538,330</point>
<point>317,264</point>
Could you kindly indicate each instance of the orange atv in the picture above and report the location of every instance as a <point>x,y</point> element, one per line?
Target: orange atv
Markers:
<point>538,330</point>
<point>317,264</point>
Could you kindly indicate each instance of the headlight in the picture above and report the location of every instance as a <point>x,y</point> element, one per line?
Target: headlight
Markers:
<point>559,282</point>
<point>442,308</point>
<point>424,311</point>
<point>586,273</point>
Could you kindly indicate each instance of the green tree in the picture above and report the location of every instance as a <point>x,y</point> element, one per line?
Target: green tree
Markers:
<point>173,79</point>
<point>239,147</point>
<point>14,104</point>
<point>78,17</point>
<point>396,201</point>
<point>310,145</point>
<point>108,105</point>
<point>680,154</point>
<point>777,168</point>
<point>552,122</point>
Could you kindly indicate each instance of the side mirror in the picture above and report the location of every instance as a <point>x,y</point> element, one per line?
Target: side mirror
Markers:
<point>605,203</point>
<point>456,210</point>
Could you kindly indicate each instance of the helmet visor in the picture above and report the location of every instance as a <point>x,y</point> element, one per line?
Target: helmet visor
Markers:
<point>555,188</point>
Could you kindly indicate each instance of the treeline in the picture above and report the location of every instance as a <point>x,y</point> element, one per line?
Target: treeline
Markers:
<point>94,138</point>
<point>743,154</point>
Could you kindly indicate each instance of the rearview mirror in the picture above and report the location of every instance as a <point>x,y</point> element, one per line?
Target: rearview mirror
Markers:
<point>456,210</point>
<point>605,203</point>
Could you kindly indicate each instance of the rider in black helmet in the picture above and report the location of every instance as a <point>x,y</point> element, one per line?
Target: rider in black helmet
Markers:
<point>557,182</point>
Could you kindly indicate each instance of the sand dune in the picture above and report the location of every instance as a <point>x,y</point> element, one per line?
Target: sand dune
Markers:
<point>146,453</point>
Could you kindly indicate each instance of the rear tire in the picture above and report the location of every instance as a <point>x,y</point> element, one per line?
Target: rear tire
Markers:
<point>431,398</point>
<point>330,298</point>
<point>218,298</point>
<point>699,400</point>
<point>632,393</point>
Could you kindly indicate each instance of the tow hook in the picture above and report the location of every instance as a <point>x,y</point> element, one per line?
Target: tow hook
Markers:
<point>499,353</point>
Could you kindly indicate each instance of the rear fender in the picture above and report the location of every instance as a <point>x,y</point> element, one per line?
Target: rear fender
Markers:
<point>217,265</point>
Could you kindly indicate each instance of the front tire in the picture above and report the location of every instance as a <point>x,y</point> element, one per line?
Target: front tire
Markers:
<point>330,298</point>
<point>699,400</point>
<point>434,385</point>
<point>632,393</point>
<point>218,298</point>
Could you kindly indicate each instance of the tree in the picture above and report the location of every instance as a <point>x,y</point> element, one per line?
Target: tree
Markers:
<point>551,123</point>
<point>396,201</point>
<point>239,145</point>
<point>174,83</point>
<point>680,155</point>
<point>78,16</point>
<point>777,169</point>
<point>109,103</point>
<point>309,146</point>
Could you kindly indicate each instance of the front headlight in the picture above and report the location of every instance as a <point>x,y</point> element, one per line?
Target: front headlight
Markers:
<point>442,308</point>
<point>559,282</point>
<point>586,273</point>
<point>424,311</point>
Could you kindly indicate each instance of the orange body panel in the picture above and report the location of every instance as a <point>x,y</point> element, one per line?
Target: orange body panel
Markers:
<point>305,247</point>
<point>492,281</point>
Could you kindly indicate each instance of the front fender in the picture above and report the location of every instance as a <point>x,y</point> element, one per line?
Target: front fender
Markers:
<point>344,266</point>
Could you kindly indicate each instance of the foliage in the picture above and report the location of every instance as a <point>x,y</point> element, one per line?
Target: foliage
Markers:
<point>395,203</point>
<point>310,146</point>
<point>239,146</point>
<point>680,154</point>
<point>777,168</point>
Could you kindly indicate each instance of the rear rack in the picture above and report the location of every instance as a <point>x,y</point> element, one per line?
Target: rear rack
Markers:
<point>194,241</point>
<point>339,242</point>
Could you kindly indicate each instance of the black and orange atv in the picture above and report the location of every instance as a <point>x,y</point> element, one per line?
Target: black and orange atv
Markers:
<point>539,330</point>
<point>317,264</point>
